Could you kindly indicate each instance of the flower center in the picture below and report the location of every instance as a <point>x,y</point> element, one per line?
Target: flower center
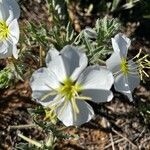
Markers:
<point>69,89</point>
<point>124,66</point>
<point>4,30</point>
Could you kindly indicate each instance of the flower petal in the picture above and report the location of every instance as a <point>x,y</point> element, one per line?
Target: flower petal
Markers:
<point>86,113</point>
<point>133,76</point>
<point>43,97</point>
<point>121,44</point>
<point>128,94</point>
<point>121,85</point>
<point>113,63</point>
<point>57,68</point>
<point>133,81</point>
<point>14,31</point>
<point>13,5</point>
<point>5,50</point>
<point>42,80</point>
<point>41,83</point>
<point>4,13</point>
<point>65,113</point>
<point>51,55</point>
<point>15,51</point>
<point>96,77</point>
<point>98,96</point>
<point>3,46</point>
<point>75,61</point>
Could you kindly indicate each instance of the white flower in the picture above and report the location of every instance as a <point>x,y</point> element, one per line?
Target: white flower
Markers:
<point>125,72</point>
<point>65,84</point>
<point>9,29</point>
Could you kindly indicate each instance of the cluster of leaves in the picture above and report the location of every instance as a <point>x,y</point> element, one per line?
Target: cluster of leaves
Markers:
<point>5,78</point>
<point>97,41</point>
<point>11,73</point>
<point>97,47</point>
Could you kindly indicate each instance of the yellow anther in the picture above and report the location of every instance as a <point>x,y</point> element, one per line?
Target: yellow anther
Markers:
<point>69,89</point>
<point>124,66</point>
<point>4,30</point>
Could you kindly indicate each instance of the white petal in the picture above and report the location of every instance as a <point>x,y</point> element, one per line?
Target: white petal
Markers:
<point>86,113</point>
<point>5,55</point>
<point>15,51</point>
<point>133,76</point>
<point>133,81</point>
<point>40,83</point>
<point>4,11</point>
<point>13,5</point>
<point>43,97</point>
<point>42,80</point>
<point>5,50</point>
<point>113,63</point>
<point>65,113</point>
<point>14,31</point>
<point>98,96</point>
<point>57,102</point>
<point>121,85</point>
<point>75,61</point>
<point>57,68</point>
<point>3,46</point>
<point>121,44</point>
<point>10,18</point>
<point>51,55</point>
<point>96,77</point>
<point>128,94</point>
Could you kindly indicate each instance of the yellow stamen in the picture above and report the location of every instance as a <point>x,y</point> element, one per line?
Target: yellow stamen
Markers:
<point>124,66</point>
<point>83,98</point>
<point>74,105</point>
<point>143,63</point>
<point>50,115</point>
<point>4,30</point>
<point>69,89</point>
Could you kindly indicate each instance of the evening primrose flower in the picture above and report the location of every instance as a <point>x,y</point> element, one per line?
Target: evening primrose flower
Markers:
<point>9,29</point>
<point>125,72</point>
<point>65,85</point>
